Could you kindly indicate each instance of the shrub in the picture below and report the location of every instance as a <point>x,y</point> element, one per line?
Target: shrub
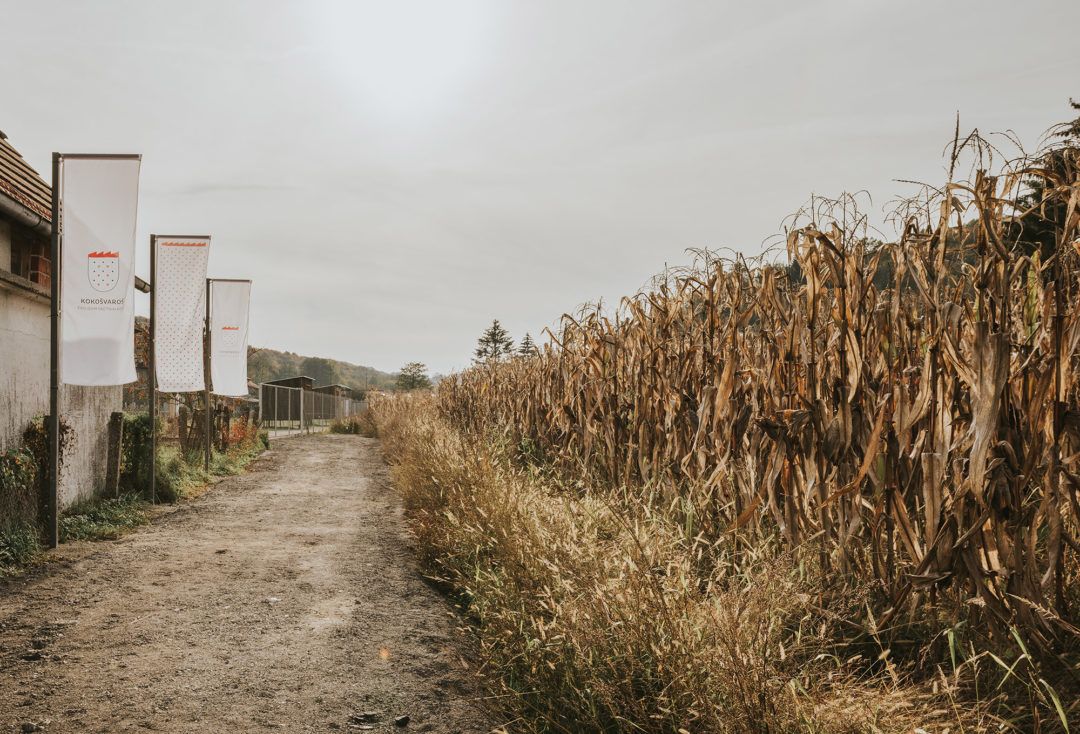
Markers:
<point>360,425</point>
<point>135,452</point>
<point>178,474</point>
<point>23,473</point>
<point>175,476</point>
<point>35,439</point>
<point>19,488</point>
<point>243,433</point>
<point>345,425</point>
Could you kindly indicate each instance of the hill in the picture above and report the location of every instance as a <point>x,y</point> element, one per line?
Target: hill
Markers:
<point>270,364</point>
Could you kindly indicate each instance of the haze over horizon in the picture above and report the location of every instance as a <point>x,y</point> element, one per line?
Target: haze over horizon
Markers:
<point>393,176</point>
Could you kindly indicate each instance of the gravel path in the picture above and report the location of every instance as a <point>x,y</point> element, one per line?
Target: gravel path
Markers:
<point>286,599</point>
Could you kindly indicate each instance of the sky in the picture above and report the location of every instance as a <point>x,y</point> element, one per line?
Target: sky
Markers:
<point>394,174</point>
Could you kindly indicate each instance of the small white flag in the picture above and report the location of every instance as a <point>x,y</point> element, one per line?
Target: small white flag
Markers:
<point>229,336</point>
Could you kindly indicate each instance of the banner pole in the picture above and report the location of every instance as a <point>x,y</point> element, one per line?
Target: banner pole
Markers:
<point>206,377</point>
<point>53,427</point>
<point>152,379</point>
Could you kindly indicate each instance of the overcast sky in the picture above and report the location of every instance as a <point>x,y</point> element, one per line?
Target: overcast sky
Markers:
<point>394,174</point>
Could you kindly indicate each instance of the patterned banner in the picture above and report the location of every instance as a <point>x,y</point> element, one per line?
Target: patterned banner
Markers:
<point>179,284</point>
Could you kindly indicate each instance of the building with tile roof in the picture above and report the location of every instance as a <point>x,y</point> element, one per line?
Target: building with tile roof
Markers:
<point>25,280</point>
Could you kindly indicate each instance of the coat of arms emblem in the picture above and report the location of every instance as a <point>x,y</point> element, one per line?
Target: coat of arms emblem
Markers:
<point>103,269</point>
<point>230,338</point>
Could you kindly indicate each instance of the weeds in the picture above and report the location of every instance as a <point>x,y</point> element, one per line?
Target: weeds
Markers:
<point>19,545</point>
<point>103,519</point>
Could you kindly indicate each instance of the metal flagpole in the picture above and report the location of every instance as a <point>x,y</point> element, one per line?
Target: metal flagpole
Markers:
<point>152,380</point>
<point>53,427</point>
<point>206,375</point>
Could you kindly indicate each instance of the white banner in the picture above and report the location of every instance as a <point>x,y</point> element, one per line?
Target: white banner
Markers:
<point>99,198</point>
<point>229,336</point>
<point>179,284</point>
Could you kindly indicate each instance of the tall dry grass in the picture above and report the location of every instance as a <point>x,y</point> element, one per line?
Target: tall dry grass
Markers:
<point>601,615</point>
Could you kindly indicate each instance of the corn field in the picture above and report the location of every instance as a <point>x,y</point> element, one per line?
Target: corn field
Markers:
<point>907,410</point>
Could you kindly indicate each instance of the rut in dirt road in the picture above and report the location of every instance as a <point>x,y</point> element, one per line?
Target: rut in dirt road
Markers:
<point>285,599</point>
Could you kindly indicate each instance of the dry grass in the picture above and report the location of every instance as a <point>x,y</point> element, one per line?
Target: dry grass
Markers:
<point>598,616</point>
<point>362,424</point>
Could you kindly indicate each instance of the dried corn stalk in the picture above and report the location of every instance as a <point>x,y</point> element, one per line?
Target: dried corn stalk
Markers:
<point>911,408</point>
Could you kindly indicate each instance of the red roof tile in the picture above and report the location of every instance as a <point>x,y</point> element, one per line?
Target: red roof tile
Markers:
<point>20,182</point>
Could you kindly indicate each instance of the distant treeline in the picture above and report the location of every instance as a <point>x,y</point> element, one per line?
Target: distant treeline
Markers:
<point>270,364</point>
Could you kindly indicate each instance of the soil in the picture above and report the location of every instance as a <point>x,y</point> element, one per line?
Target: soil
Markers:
<point>285,599</point>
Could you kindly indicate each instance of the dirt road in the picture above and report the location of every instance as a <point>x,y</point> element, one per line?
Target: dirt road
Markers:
<point>286,599</point>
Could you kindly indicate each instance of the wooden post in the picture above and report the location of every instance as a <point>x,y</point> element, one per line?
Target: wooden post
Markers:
<point>116,443</point>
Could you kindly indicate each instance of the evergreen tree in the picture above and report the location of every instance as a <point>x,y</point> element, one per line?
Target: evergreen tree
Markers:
<point>527,348</point>
<point>494,344</point>
<point>1037,230</point>
<point>413,376</point>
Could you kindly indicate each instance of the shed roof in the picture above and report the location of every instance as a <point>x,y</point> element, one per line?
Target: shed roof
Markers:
<point>289,381</point>
<point>21,183</point>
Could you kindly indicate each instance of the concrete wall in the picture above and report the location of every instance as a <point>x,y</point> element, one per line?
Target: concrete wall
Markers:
<point>24,390</point>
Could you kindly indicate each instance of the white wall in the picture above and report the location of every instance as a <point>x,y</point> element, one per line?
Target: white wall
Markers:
<point>24,393</point>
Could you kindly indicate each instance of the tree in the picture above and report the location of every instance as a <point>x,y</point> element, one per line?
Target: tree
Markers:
<point>527,348</point>
<point>413,376</point>
<point>1046,215</point>
<point>320,369</point>
<point>494,344</point>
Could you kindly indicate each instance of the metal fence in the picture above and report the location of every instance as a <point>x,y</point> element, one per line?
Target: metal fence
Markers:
<point>280,411</point>
<point>288,410</point>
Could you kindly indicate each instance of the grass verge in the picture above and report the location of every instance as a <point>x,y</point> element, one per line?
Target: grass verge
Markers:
<point>19,545</point>
<point>603,615</point>
<point>103,519</point>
